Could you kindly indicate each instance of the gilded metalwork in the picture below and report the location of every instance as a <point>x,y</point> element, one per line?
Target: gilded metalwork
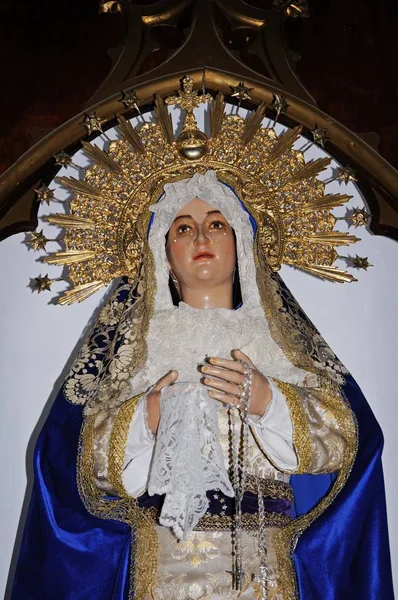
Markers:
<point>44,194</point>
<point>241,92</point>
<point>104,232</point>
<point>319,135</point>
<point>192,143</point>
<point>361,262</point>
<point>359,217</point>
<point>346,174</point>
<point>63,159</point>
<point>92,122</point>
<point>42,283</point>
<point>37,240</point>
<point>130,99</point>
<point>279,105</point>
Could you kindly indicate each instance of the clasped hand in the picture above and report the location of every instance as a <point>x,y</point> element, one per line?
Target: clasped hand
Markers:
<point>224,379</point>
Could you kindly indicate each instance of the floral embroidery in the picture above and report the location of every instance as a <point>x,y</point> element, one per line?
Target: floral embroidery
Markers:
<point>197,549</point>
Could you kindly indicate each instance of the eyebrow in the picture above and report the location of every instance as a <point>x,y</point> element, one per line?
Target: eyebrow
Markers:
<point>210,212</point>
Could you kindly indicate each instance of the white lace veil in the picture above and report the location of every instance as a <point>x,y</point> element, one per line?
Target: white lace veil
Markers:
<point>207,188</point>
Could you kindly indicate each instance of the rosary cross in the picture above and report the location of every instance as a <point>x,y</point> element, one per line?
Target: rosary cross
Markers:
<point>262,579</point>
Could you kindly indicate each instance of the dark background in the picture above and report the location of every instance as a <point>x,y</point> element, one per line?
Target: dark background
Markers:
<point>55,54</point>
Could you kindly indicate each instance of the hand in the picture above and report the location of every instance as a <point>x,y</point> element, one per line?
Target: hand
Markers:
<point>224,378</point>
<point>153,400</point>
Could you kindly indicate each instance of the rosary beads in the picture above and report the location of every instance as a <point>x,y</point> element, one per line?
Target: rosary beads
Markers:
<point>239,467</point>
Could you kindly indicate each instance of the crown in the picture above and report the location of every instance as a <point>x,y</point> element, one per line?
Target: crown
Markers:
<point>105,224</point>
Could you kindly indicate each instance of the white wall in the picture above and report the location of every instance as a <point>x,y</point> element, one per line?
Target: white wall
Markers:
<point>358,320</point>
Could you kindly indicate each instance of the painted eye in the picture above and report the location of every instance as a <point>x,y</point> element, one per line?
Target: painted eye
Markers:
<point>217,225</point>
<point>183,228</point>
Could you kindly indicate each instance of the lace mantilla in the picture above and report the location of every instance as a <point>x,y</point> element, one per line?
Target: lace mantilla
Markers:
<point>181,338</point>
<point>188,460</point>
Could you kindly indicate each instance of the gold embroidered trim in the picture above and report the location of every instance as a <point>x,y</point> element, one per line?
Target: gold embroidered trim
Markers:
<point>144,542</point>
<point>250,522</point>
<point>270,488</point>
<point>118,442</point>
<point>211,522</point>
<point>301,429</point>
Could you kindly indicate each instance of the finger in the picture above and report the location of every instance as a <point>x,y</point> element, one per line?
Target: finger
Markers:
<point>239,355</point>
<point>223,386</point>
<point>166,380</point>
<point>226,363</point>
<point>222,397</point>
<point>225,374</point>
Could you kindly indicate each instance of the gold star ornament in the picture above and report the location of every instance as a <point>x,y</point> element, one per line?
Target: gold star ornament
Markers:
<point>241,92</point>
<point>130,99</point>
<point>319,135</point>
<point>359,217</point>
<point>37,241</point>
<point>62,159</point>
<point>44,194</point>
<point>92,122</point>
<point>42,284</point>
<point>280,105</point>
<point>346,174</point>
<point>361,262</point>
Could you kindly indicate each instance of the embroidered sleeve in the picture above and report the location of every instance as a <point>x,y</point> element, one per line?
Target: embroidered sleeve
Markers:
<point>319,417</point>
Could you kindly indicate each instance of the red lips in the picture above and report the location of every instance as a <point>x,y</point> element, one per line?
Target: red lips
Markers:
<point>203,254</point>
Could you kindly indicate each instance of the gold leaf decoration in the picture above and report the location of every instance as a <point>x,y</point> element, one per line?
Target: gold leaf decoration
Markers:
<point>130,135</point>
<point>69,221</point>
<point>337,238</point>
<point>327,202</point>
<point>284,143</point>
<point>68,257</point>
<point>217,114</point>
<point>107,224</point>
<point>80,187</point>
<point>42,284</point>
<point>253,123</point>
<point>164,120</point>
<point>311,169</point>
<point>80,292</point>
<point>331,273</point>
<point>101,158</point>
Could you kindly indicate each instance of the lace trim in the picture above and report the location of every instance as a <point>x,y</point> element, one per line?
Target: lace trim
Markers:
<point>188,459</point>
<point>149,433</point>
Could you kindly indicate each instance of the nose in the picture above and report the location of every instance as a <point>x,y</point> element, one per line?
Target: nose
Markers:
<point>201,238</point>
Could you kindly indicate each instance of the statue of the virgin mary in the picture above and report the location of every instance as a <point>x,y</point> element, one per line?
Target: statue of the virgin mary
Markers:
<point>207,442</point>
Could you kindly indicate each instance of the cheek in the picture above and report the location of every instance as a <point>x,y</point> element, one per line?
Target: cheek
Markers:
<point>177,252</point>
<point>226,250</point>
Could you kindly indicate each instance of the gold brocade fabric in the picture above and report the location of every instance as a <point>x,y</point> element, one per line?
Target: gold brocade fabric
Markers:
<point>199,568</point>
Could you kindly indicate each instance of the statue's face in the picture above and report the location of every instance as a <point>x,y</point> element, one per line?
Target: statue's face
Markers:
<point>201,246</point>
